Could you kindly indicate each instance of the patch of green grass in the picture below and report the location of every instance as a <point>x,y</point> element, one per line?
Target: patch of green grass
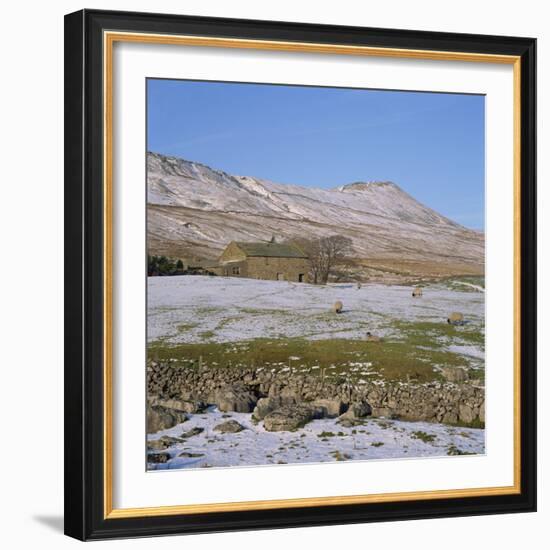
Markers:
<point>184,327</point>
<point>383,424</point>
<point>326,434</point>
<point>431,334</point>
<point>224,322</point>
<point>477,424</point>
<point>264,311</point>
<point>201,311</point>
<point>423,436</point>
<point>377,444</point>
<point>393,360</point>
<point>453,450</point>
<point>477,374</point>
<point>410,355</point>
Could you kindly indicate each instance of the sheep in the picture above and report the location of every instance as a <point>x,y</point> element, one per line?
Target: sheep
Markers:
<point>372,338</point>
<point>337,307</point>
<point>456,318</point>
<point>417,292</point>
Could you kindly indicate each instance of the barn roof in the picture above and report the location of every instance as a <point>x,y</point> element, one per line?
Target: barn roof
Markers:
<point>271,250</point>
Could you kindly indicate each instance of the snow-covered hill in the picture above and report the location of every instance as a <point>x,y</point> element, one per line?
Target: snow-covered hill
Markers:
<point>194,210</point>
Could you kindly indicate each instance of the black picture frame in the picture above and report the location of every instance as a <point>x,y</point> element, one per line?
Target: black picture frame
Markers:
<point>84,282</point>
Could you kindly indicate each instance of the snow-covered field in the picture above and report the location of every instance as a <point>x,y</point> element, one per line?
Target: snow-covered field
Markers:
<point>224,310</point>
<point>319,441</point>
<point>190,309</point>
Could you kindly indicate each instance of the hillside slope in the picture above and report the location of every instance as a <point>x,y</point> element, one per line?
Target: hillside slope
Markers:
<point>194,210</point>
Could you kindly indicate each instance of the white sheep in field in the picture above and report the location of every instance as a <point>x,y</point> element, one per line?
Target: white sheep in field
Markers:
<point>456,318</point>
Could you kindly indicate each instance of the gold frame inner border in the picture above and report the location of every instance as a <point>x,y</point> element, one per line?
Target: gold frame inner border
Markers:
<point>109,39</point>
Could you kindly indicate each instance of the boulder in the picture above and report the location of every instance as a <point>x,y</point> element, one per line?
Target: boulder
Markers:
<point>382,411</point>
<point>290,417</point>
<point>290,395</point>
<point>264,406</point>
<point>159,418</point>
<point>454,374</point>
<point>450,418</point>
<point>332,407</point>
<point>235,397</point>
<point>359,409</point>
<point>231,427</point>
<point>192,432</point>
<point>191,407</point>
<point>162,443</point>
<point>158,458</point>
<point>466,413</point>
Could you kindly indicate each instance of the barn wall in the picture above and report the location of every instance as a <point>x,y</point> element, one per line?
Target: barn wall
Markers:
<point>234,263</point>
<point>268,268</point>
<point>232,253</point>
<point>233,269</point>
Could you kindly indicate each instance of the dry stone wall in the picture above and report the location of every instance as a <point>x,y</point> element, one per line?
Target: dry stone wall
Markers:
<point>239,389</point>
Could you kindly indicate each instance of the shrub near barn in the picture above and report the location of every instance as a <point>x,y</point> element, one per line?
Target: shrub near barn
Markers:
<point>162,265</point>
<point>159,266</point>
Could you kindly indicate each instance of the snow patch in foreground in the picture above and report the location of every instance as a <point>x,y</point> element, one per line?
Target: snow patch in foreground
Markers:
<point>319,441</point>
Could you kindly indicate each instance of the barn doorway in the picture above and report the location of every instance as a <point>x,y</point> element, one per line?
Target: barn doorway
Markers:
<point>280,277</point>
<point>300,277</point>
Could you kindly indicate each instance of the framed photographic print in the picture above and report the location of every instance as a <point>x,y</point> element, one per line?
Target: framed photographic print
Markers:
<point>300,274</point>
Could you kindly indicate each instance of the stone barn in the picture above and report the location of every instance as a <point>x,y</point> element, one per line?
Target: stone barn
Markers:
<point>264,260</point>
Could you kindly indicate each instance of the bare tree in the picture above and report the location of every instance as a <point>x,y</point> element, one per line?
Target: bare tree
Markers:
<point>325,254</point>
<point>332,252</point>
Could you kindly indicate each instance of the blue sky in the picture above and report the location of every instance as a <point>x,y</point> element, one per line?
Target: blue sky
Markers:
<point>432,145</point>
